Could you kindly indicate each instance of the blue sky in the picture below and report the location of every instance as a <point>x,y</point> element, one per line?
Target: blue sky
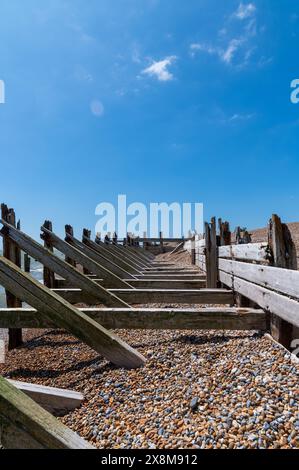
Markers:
<point>161,100</point>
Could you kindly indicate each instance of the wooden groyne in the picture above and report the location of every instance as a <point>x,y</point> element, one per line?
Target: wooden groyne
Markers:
<point>111,277</point>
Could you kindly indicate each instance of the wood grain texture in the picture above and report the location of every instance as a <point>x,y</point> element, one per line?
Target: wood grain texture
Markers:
<point>282,306</point>
<point>58,265</point>
<point>151,318</point>
<point>25,425</point>
<point>65,316</point>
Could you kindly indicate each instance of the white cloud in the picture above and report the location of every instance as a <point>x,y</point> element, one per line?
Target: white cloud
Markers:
<point>198,47</point>
<point>225,54</point>
<point>234,43</point>
<point>241,117</point>
<point>159,69</point>
<point>245,11</point>
<point>97,108</point>
<point>228,54</point>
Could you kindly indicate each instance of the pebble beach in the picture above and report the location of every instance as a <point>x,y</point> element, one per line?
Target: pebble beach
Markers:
<point>198,390</point>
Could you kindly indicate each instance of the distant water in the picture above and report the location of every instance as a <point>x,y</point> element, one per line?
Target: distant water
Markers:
<point>36,271</point>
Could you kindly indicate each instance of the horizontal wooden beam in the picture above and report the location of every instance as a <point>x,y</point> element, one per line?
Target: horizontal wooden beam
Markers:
<point>167,240</point>
<point>182,276</point>
<point>150,318</point>
<point>280,305</point>
<point>246,252</point>
<point>65,316</point>
<point>26,425</point>
<point>285,281</point>
<point>170,270</point>
<point>168,296</point>
<point>168,284</point>
<point>148,296</point>
<point>57,401</point>
<point>146,284</point>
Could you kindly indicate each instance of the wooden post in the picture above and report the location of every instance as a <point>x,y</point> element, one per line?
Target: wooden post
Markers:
<point>69,231</point>
<point>12,252</point>
<point>193,254</point>
<point>242,236</point>
<point>211,254</point>
<point>98,238</point>
<point>49,276</point>
<point>225,236</point>
<point>161,243</point>
<point>86,233</point>
<point>27,262</point>
<point>283,256</point>
<point>67,317</point>
<point>224,233</point>
<point>145,243</point>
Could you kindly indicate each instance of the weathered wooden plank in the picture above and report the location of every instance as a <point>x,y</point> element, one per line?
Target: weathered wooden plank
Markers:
<point>12,252</point>
<point>74,296</point>
<point>68,317</point>
<point>201,243</point>
<point>147,296</point>
<point>57,401</point>
<point>200,251</point>
<point>151,318</point>
<point>49,276</point>
<point>224,233</point>
<point>280,305</point>
<point>177,248</point>
<point>146,284</point>
<point>82,259</point>
<point>70,231</point>
<point>140,259</point>
<point>168,283</point>
<point>211,254</point>
<point>285,281</point>
<point>174,276</point>
<point>169,270</point>
<point>100,259</point>
<point>138,253</point>
<point>25,425</point>
<point>168,296</point>
<point>284,255</point>
<point>56,264</point>
<point>110,253</point>
<point>249,252</point>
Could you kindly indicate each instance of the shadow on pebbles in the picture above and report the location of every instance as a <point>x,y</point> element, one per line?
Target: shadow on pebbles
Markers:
<point>197,389</point>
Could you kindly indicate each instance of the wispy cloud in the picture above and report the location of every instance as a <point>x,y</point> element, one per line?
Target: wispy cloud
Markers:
<point>226,54</point>
<point>200,47</point>
<point>245,11</point>
<point>159,69</point>
<point>234,43</point>
<point>241,117</point>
